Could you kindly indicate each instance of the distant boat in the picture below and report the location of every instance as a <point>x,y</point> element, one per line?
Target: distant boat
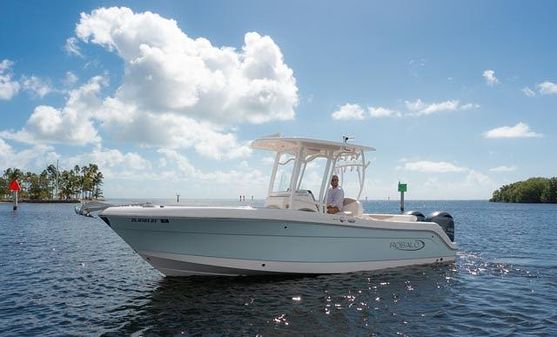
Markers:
<point>292,233</point>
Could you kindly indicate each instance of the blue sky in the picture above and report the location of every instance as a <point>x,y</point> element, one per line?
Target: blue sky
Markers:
<point>458,98</point>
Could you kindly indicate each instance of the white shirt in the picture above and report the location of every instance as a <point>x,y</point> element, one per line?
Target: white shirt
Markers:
<point>335,197</point>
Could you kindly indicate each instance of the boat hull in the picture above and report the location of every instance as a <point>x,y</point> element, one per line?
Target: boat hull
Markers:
<point>238,241</point>
<point>188,265</point>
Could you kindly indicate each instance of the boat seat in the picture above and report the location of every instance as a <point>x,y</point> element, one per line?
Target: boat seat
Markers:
<point>303,200</point>
<point>353,206</point>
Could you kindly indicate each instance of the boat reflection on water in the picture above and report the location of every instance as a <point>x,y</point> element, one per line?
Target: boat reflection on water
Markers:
<point>341,304</point>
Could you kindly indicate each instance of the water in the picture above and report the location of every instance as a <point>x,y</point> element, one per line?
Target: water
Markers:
<point>61,274</point>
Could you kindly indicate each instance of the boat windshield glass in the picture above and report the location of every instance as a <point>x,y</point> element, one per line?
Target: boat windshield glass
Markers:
<point>313,175</point>
<point>349,180</point>
<point>284,173</point>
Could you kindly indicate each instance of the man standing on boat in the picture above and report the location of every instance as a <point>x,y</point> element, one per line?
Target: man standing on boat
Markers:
<point>335,197</point>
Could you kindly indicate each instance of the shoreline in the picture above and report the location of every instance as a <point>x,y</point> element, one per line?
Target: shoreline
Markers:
<point>31,201</point>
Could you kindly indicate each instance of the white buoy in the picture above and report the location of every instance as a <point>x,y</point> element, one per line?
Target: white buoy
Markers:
<point>15,201</point>
<point>15,187</point>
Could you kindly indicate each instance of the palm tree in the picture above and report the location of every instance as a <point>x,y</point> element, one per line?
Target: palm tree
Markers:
<point>67,186</point>
<point>39,187</point>
<point>97,182</point>
<point>79,182</point>
<point>13,173</point>
<point>88,179</point>
<point>53,178</point>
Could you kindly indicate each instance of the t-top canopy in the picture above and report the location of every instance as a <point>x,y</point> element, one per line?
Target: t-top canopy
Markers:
<point>312,146</point>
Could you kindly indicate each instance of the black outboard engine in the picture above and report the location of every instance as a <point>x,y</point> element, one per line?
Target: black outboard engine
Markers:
<point>419,215</point>
<point>445,220</point>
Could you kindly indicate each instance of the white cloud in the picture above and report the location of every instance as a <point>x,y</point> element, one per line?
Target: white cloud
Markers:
<point>184,165</point>
<point>113,163</point>
<point>468,185</point>
<point>70,125</point>
<point>420,108</point>
<point>475,178</point>
<point>416,108</point>
<point>169,72</point>
<point>36,85</point>
<point>520,130</point>
<point>489,76</point>
<point>71,47</point>
<point>547,88</point>
<point>468,106</point>
<point>528,92</point>
<point>503,168</point>
<point>175,132</point>
<point>176,92</point>
<point>187,171</point>
<point>5,65</point>
<point>379,112</point>
<point>348,111</point>
<point>29,159</point>
<point>268,160</point>
<point>415,66</point>
<point>441,180</point>
<point>243,179</point>
<point>4,147</point>
<point>142,175</point>
<point>152,175</point>
<point>70,79</point>
<point>426,166</point>
<point>8,87</point>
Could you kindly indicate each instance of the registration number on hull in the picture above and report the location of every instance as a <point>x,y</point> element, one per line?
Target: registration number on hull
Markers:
<point>148,220</point>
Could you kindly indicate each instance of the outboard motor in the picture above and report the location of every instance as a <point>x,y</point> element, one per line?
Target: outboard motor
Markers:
<point>419,215</point>
<point>445,220</point>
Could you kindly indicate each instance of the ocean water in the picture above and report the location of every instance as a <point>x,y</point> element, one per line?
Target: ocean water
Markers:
<point>63,275</point>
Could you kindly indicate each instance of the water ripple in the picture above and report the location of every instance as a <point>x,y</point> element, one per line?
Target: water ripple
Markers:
<point>68,275</point>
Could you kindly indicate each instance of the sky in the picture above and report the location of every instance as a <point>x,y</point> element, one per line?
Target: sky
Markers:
<point>458,98</point>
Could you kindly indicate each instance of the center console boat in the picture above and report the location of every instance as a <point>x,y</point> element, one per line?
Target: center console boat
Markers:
<point>292,233</point>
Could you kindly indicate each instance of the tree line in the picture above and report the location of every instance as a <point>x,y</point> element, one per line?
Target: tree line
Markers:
<point>533,190</point>
<point>51,184</point>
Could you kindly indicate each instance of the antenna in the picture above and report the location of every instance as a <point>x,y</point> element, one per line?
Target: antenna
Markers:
<point>346,138</point>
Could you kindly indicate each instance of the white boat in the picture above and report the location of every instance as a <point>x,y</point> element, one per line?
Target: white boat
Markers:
<point>292,233</point>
